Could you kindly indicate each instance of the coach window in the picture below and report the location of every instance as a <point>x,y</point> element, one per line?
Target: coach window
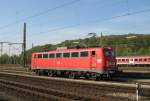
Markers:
<point>66,55</point>
<point>39,55</point>
<point>84,54</point>
<point>140,59</point>
<point>75,54</point>
<point>136,59</point>
<point>51,55</point>
<point>123,59</point>
<point>145,59</point>
<point>45,55</point>
<point>58,55</point>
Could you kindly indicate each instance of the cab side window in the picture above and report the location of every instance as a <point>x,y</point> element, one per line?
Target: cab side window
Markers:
<point>84,54</point>
<point>93,53</point>
<point>51,55</point>
<point>39,55</point>
<point>58,55</point>
<point>75,54</point>
<point>45,55</point>
<point>66,55</point>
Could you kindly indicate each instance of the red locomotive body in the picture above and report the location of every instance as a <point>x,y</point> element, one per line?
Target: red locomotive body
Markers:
<point>85,61</point>
<point>133,60</point>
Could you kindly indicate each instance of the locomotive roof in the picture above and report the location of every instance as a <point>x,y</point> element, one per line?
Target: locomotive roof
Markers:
<point>70,50</point>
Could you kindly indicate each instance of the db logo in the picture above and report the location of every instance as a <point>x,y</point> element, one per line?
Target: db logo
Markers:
<point>58,62</point>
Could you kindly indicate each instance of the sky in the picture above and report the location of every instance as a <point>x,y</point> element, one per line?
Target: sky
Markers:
<point>70,21</point>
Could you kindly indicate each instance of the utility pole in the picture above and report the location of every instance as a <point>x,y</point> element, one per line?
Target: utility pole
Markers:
<point>101,40</point>
<point>9,52</point>
<point>1,48</point>
<point>32,45</point>
<point>24,45</point>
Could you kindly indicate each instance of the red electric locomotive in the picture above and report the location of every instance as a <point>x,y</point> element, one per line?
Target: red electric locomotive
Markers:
<point>75,63</point>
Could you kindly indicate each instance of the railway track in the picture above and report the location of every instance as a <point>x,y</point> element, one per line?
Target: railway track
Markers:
<point>18,72</point>
<point>67,90</point>
<point>124,77</point>
<point>40,93</point>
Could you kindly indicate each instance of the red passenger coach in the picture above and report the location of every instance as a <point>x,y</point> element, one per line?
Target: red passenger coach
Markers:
<point>85,62</point>
<point>133,60</point>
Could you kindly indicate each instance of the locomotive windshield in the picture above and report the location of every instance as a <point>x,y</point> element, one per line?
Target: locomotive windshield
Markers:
<point>109,52</point>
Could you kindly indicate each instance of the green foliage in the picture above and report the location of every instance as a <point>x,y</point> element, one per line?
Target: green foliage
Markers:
<point>5,59</point>
<point>128,44</point>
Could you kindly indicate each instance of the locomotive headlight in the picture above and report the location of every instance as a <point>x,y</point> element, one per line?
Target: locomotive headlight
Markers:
<point>99,60</point>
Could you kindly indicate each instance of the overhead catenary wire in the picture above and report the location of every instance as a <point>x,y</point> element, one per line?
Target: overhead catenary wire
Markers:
<point>93,21</point>
<point>40,13</point>
<point>109,3</point>
<point>96,21</point>
<point>48,10</point>
<point>127,4</point>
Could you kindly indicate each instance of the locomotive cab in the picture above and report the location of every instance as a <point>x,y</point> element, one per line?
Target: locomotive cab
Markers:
<point>110,61</point>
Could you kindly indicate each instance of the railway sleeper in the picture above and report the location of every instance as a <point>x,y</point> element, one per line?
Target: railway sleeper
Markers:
<point>103,87</point>
<point>48,94</point>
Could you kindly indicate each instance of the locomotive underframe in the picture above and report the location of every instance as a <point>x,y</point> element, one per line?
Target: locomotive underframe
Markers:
<point>75,73</point>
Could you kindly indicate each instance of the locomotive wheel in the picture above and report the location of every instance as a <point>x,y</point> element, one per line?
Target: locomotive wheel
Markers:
<point>110,77</point>
<point>38,72</point>
<point>87,76</point>
<point>107,77</point>
<point>98,78</point>
<point>50,74</point>
<point>72,75</point>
